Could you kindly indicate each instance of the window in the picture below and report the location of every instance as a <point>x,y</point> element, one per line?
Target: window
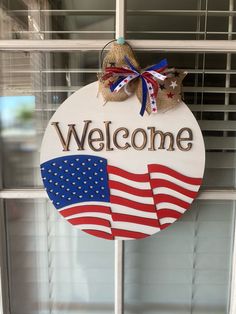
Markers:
<point>50,267</point>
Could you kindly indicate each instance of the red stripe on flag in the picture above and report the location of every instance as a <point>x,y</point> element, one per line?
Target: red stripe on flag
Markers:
<point>137,220</point>
<point>128,234</point>
<point>100,234</point>
<point>90,221</point>
<point>164,213</point>
<point>85,208</point>
<point>157,183</point>
<point>131,190</point>
<point>128,175</point>
<point>125,202</point>
<point>165,226</point>
<point>164,198</point>
<point>173,173</point>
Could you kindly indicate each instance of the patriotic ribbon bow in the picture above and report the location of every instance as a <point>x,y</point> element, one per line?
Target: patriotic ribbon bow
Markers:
<point>149,78</point>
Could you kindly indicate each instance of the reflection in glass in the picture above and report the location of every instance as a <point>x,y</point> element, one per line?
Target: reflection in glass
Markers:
<point>66,19</point>
<point>18,138</point>
<point>184,269</point>
<point>54,267</point>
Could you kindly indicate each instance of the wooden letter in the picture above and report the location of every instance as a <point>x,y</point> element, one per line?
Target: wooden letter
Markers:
<point>142,131</point>
<point>71,131</point>
<point>97,139</point>
<point>108,139</point>
<point>163,139</point>
<point>125,135</point>
<point>180,139</point>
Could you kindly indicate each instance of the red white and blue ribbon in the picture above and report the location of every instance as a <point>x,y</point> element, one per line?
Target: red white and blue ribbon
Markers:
<point>149,79</point>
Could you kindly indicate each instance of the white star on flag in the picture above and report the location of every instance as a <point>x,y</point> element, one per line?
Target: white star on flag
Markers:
<point>173,84</point>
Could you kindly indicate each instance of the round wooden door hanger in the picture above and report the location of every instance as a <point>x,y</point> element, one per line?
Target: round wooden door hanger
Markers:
<point>115,174</point>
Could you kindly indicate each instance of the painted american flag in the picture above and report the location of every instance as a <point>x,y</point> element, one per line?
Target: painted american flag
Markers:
<point>112,203</point>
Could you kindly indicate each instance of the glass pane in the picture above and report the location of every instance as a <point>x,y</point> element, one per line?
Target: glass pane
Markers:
<point>34,19</point>
<point>33,85</point>
<point>184,269</point>
<point>203,19</point>
<point>55,268</point>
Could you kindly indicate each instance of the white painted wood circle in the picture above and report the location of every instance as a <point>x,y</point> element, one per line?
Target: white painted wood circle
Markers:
<point>164,203</point>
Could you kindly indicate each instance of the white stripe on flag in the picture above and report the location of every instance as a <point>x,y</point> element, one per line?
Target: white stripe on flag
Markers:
<point>134,227</point>
<point>166,205</point>
<point>124,238</point>
<point>174,193</point>
<point>107,204</point>
<point>93,227</point>
<point>158,175</point>
<point>135,184</point>
<point>132,197</point>
<point>167,220</point>
<point>120,209</point>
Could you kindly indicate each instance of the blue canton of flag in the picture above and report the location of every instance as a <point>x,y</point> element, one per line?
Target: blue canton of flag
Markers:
<point>74,179</point>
